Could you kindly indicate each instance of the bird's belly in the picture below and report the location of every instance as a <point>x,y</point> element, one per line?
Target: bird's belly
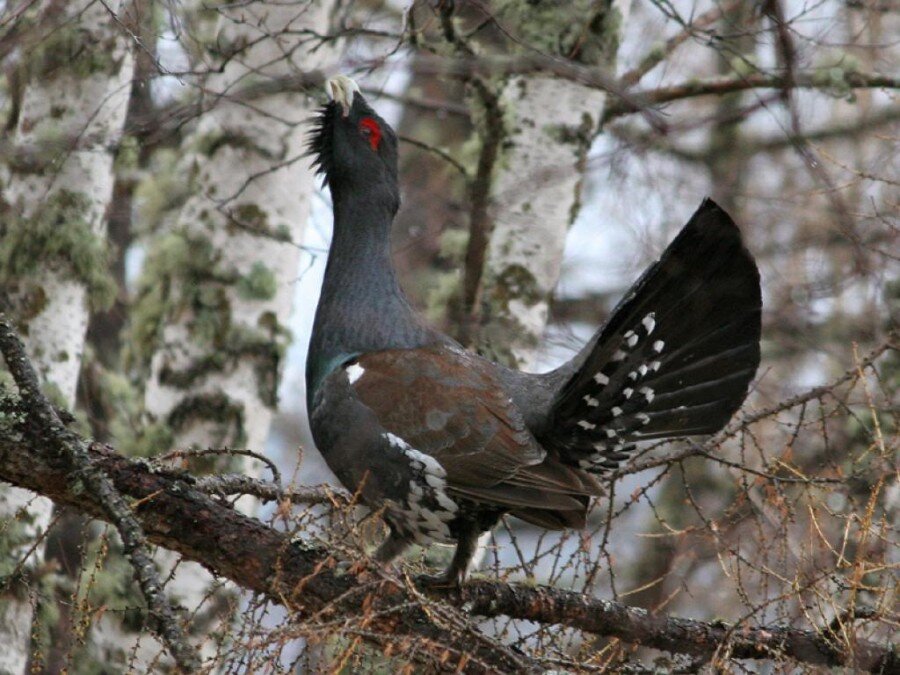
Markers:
<point>387,474</point>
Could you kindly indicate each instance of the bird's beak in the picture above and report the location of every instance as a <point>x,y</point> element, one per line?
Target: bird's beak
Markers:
<point>341,89</point>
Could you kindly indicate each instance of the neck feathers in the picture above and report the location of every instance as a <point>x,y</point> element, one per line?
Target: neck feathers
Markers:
<point>362,307</point>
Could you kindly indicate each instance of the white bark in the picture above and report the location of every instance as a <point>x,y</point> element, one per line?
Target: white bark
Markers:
<point>89,102</point>
<point>535,197</point>
<point>255,175</point>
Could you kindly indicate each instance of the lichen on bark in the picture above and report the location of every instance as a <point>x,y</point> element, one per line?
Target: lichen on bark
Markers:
<point>57,234</point>
<point>535,194</point>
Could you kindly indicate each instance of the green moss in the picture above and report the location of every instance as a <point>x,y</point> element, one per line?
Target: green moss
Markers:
<point>181,275</point>
<point>166,186</point>
<point>206,144</point>
<point>12,417</point>
<point>57,235</point>
<point>583,30</point>
<point>182,278</point>
<point>501,328</point>
<point>264,347</point>
<point>249,217</point>
<point>216,407</point>
<point>444,291</point>
<point>258,284</point>
<point>127,154</point>
<point>454,241</point>
<point>74,51</point>
<point>146,441</point>
<point>834,76</point>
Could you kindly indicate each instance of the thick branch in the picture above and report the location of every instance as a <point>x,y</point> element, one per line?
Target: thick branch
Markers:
<point>258,558</point>
<point>674,634</point>
<point>70,452</point>
<point>177,516</point>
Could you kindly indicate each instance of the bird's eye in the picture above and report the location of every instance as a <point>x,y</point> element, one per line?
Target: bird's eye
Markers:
<point>369,128</point>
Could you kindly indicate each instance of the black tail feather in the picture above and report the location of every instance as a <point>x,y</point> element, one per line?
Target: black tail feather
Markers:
<point>677,355</point>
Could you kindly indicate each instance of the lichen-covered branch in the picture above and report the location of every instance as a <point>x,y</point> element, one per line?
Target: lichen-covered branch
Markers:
<point>69,452</point>
<point>72,79</point>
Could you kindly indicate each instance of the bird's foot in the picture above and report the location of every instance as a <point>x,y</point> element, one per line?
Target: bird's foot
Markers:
<point>447,581</point>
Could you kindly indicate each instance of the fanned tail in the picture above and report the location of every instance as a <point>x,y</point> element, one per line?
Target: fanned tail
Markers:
<point>676,356</point>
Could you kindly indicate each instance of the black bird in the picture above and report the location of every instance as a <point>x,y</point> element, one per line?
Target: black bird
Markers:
<point>443,441</point>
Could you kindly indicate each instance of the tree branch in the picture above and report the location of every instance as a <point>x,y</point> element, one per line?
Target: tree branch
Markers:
<point>808,79</point>
<point>659,54</point>
<point>69,452</point>
<point>256,557</point>
<point>750,145</point>
<point>674,634</point>
<point>176,515</point>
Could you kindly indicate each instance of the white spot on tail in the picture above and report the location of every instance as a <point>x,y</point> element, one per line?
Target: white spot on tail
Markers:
<point>611,433</point>
<point>649,322</point>
<point>616,411</point>
<point>648,394</point>
<point>631,338</point>
<point>601,379</point>
<point>587,426</point>
<point>658,346</point>
<point>642,370</point>
<point>619,355</point>
<point>591,401</point>
<point>655,366</point>
<point>628,391</point>
<point>644,419</point>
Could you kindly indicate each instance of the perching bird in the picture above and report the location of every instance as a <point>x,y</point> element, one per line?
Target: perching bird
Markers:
<point>445,442</point>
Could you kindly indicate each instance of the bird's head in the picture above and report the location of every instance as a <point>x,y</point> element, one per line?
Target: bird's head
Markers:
<point>354,148</point>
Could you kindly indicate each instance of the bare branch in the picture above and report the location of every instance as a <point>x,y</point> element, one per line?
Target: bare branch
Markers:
<point>806,79</point>
<point>658,55</point>
<point>673,634</point>
<point>267,491</point>
<point>176,515</point>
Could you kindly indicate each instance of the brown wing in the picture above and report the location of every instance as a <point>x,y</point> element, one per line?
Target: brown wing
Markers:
<point>446,403</point>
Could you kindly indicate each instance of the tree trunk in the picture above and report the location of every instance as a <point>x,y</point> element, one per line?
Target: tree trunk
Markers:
<point>548,125</point>
<point>219,282</point>
<point>215,357</point>
<point>54,251</point>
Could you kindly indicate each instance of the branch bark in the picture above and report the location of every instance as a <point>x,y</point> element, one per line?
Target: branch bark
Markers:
<point>71,455</point>
<point>807,79</point>
<point>176,515</point>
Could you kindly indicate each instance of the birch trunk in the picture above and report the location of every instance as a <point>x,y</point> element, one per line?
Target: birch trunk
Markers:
<point>214,364</point>
<point>535,194</point>
<point>53,248</point>
<point>218,284</point>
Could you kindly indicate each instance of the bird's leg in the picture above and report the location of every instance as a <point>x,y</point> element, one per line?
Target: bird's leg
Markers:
<point>391,547</point>
<point>455,574</point>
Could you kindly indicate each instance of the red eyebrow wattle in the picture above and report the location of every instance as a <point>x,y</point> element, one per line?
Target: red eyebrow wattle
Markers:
<point>374,131</point>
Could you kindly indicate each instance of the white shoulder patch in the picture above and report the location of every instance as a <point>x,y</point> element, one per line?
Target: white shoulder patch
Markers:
<point>354,372</point>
